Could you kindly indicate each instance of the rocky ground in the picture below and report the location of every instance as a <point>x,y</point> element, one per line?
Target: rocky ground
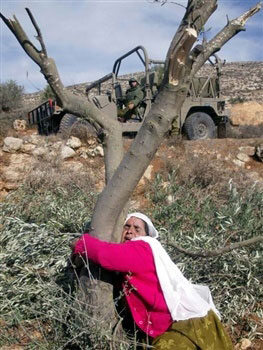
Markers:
<point>22,150</point>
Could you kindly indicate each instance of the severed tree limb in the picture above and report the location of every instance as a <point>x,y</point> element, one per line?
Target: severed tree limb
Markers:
<point>232,28</point>
<point>39,35</point>
<point>19,33</point>
<point>196,15</point>
<point>221,251</point>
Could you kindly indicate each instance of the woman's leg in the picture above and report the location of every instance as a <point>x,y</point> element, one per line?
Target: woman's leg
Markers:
<point>173,340</point>
<point>195,334</point>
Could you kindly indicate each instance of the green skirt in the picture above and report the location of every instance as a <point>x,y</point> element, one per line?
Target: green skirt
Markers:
<point>204,333</point>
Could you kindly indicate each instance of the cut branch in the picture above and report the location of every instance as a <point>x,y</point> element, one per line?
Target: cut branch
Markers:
<point>22,38</point>
<point>232,28</point>
<point>221,251</point>
<point>39,35</point>
<point>179,55</point>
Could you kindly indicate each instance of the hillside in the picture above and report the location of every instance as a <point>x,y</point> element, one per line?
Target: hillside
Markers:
<point>240,82</point>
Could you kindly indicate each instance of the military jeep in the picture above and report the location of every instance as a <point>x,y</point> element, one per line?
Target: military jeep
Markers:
<point>202,114</point>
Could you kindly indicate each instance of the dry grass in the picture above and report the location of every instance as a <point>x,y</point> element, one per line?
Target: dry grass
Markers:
<point>247,113</point>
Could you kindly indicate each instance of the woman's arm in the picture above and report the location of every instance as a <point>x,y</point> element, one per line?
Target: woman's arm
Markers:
<point>133,256</point>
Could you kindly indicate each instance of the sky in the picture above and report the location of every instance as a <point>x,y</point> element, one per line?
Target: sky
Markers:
<point>85,37</point>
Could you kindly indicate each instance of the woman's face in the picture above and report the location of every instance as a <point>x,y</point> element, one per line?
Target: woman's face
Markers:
<point>134,227</point>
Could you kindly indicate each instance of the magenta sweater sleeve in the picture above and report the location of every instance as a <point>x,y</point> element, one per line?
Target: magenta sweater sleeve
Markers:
<point>132,256</point>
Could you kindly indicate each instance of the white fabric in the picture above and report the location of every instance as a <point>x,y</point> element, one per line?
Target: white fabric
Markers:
<point>184,299</point>
<point>152,230</point>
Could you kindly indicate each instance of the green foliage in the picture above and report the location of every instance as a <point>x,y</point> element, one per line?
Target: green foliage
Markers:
<point>37,281</point>
<point>6,122</point>
<point>235,100</point>
<point>38,286</point>
<point>47,94</point>
<point>10,95</point>
<point>196,219</point>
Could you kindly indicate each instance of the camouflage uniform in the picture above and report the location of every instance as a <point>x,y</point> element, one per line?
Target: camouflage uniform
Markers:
<point>134,95</point>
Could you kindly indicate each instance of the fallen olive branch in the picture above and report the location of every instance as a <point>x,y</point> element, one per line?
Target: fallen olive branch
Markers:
<point>223,250</point>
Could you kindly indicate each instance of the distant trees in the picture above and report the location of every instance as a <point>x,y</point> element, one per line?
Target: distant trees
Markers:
<point>10,95</point>
<point>47,94</point>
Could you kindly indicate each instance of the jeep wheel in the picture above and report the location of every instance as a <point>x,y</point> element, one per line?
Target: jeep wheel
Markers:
<point>199,125</point>
<point>66,125</point>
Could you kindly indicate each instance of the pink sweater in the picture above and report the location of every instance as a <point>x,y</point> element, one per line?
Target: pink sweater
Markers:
<point>140,285</point>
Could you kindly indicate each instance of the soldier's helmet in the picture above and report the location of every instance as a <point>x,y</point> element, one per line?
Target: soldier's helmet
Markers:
<point>132,80</point>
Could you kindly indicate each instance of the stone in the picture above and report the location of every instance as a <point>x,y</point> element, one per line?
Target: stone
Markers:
<point>19,125</point>
<point>67,152</point>
<point>11,175</point>
<point>57,145</point>
<point>74,142</point>
<point>249,150</point>
<point>91,141</point>
<point>245,343</point>
<point>243,157</point>
<point>83,155</point>
<point>40,151</point>
<point>11,186</point>
<point>259,152</point>
<point>239,163</point>
<point>170,199</point>
<point>91,153</point>
<point>148,173</point>
<point>99,151</point>
<point>35,139</point>
<point>12,144</point>
<point>27,148</point>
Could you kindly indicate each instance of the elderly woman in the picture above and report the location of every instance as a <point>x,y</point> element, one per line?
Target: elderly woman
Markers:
<point>171,311</point>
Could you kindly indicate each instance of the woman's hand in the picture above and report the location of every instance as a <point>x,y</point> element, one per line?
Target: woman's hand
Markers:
<point>76,259</point>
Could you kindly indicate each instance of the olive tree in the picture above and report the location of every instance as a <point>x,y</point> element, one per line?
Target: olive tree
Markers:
<point>123,171</point>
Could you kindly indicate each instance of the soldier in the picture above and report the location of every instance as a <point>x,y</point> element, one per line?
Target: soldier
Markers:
<point>134,96</point>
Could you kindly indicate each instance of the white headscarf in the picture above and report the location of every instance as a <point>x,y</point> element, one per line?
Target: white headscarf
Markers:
<point>152,230</point>
<point>184,299</point>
